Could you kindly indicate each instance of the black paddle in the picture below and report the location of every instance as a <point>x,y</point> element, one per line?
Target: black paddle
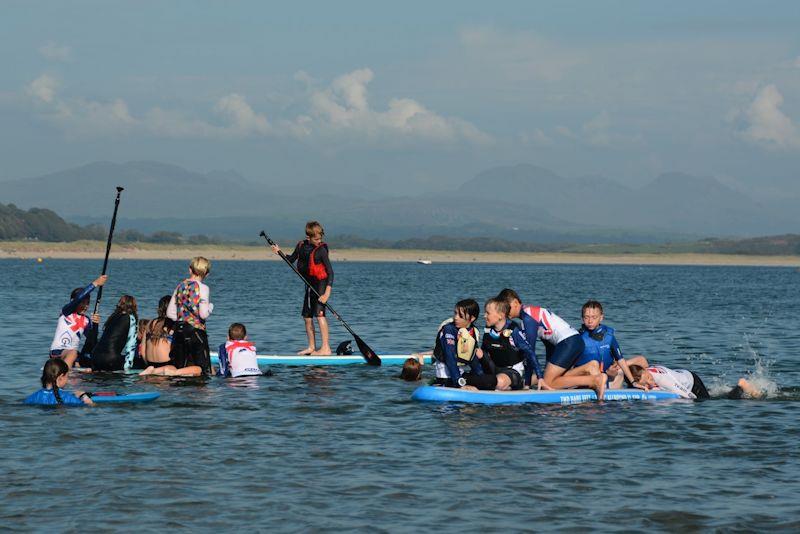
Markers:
<point>369,354</point>
<point>108,246</point>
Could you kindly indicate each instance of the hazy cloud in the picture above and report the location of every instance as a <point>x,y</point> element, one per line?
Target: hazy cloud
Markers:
<point>767,125</point>
<point>43,88</point>
<point>55,52</point>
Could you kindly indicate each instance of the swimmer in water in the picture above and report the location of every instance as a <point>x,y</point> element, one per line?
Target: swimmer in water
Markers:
<point>54,377</point>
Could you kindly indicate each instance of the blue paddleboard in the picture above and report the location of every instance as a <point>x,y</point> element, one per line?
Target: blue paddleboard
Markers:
<point>352,359</point>
<point>146,396</point>
<point>560,396</point>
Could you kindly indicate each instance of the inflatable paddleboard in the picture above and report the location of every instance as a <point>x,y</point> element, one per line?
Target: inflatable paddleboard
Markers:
<point>147,396</point>
<point>352,359</point>
<point>560,396</point>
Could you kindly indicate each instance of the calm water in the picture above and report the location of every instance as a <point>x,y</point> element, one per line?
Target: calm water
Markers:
<point>345,448</point>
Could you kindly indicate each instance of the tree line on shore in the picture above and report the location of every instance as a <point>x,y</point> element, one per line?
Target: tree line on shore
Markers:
<point>45,225</point>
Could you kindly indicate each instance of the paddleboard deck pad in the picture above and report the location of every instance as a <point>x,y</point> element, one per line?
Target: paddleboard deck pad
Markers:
<point>352,359</point>
<point>561,396</point>
<point>105,398</point>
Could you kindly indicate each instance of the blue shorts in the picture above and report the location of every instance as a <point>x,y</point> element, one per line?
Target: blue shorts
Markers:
<point>56,353</point>
<point>566,353</point>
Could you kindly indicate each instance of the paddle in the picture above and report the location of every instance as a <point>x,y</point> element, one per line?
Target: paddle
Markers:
<point>108,246</point>
<point>369,354</point>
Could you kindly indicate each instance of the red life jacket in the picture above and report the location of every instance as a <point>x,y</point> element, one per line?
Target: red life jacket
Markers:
<point>317,270</point>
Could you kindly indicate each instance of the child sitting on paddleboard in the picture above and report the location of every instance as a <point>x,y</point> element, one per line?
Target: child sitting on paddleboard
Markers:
<point>456,343</point>
<point>313,262</point>
<point>73,324</point>
<point>682,381</point>
<point>189,307</point>
<point>237,356</point>
<point>601,349</point>
<point>54,378</point>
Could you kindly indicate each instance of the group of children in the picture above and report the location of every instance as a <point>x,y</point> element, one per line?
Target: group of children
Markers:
<point>504,358</point>
<point>175,343</point>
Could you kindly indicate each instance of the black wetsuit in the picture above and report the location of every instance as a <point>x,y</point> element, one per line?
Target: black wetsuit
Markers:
<point>107,354</point>
<point>302,255</point>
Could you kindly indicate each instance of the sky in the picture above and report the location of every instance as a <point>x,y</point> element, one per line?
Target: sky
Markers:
<point>406,97</point>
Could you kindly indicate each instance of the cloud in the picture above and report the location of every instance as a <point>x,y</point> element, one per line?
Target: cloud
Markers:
<point>55,52</point>
<point>344,107</point>
<point>340,111</point>
<point>43,88</point>
<point>766,124</point>
<point>599,132</point>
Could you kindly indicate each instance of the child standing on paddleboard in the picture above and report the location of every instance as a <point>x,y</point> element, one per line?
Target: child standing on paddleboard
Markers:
<point>313,262</point>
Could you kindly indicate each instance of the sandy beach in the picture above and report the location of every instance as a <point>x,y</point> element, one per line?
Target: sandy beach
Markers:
<point>149,251</point>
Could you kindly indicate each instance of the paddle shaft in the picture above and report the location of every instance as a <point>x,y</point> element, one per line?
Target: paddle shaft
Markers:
<point>361,345</point>
<point>108,246</point>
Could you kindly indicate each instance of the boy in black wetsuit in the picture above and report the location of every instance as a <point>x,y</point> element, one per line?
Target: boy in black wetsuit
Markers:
<point>314,264</point>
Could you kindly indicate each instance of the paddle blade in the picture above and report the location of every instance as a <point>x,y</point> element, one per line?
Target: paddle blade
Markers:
<point>369,354</point>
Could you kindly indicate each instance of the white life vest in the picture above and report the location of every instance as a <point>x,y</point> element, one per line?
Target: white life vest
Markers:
<point>553,329</point>
<point>69,331</point>
<point>242,359</point>
<point>678,381</point>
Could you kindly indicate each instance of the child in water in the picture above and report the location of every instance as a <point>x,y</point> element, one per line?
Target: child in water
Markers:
<point>682,381</point>
<point>237,356</point>
<point>312,257</point>
<point>412,370</point>
<point>54,378</point>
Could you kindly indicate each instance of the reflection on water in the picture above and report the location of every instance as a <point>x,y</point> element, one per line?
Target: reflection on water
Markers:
<point>346,448</point>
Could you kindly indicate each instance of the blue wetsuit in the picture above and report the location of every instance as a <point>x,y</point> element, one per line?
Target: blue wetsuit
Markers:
<point>46,397</point>
<point>599,345</point>
<point>445,351</point>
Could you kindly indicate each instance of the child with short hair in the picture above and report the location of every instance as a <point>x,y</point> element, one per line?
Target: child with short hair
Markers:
<point>189,307</point>
<point>412,370</point>
<point>73,324</point>
<point>600,346</point>
<point>54,377</point>
<point>237,356</point>
<point>313,262</point>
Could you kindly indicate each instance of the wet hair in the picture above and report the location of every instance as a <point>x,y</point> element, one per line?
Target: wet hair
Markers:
<point>501,305</point>
<point>593,304</point>
<point>314,228</point>
<point>54,368</point>
<point>142,328</point>
<point>412,370</point>
<point>75,292</point>
<point>200,266</point>
<point>468,308</point>
<point>636,371</point>
<point>125,305</point>
<point>159,327</point>
<point>508,295</point>
<point>237,331</point>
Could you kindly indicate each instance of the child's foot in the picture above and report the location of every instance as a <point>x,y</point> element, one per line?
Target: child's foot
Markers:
<point>748,388</point>
<point>305,352</point>
<point>600,386</point>
<point>148,371</point>
<point>323,351</point>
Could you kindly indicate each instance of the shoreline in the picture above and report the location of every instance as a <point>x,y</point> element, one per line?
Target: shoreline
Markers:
<point>151,251</point>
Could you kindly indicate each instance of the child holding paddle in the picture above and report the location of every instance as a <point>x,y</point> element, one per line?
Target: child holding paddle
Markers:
<point>73,324</point>
<point>313,263</point>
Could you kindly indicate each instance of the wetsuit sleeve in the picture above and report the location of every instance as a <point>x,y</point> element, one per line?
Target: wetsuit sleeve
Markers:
<point>72,305</point>
<point>487,364</point>
<point>322,256</point>
<point>204,308</point>
<point>296,254</point>
<point>223,361</point>
<point>172,308</point>
<point>616,351</point>
<point>531,363</point>
<point>448,337</point>
<point>69,398</point>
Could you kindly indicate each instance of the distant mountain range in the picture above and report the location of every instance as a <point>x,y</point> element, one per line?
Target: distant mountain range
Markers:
<point>515,203</point>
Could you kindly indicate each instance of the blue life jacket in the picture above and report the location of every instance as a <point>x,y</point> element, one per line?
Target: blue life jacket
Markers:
<point>597,346</point>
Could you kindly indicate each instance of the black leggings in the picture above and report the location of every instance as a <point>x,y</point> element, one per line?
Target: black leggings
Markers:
<point>190,347</point>
<point>488,382</point>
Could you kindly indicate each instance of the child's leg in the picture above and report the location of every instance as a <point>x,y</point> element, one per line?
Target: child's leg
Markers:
<point>191,370</point>
<point>69,356</point>
<point>749,389</point>
<point>312,343</point>
<point>325,348</point>
<point>590,368</point>
<point>555,377</point>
